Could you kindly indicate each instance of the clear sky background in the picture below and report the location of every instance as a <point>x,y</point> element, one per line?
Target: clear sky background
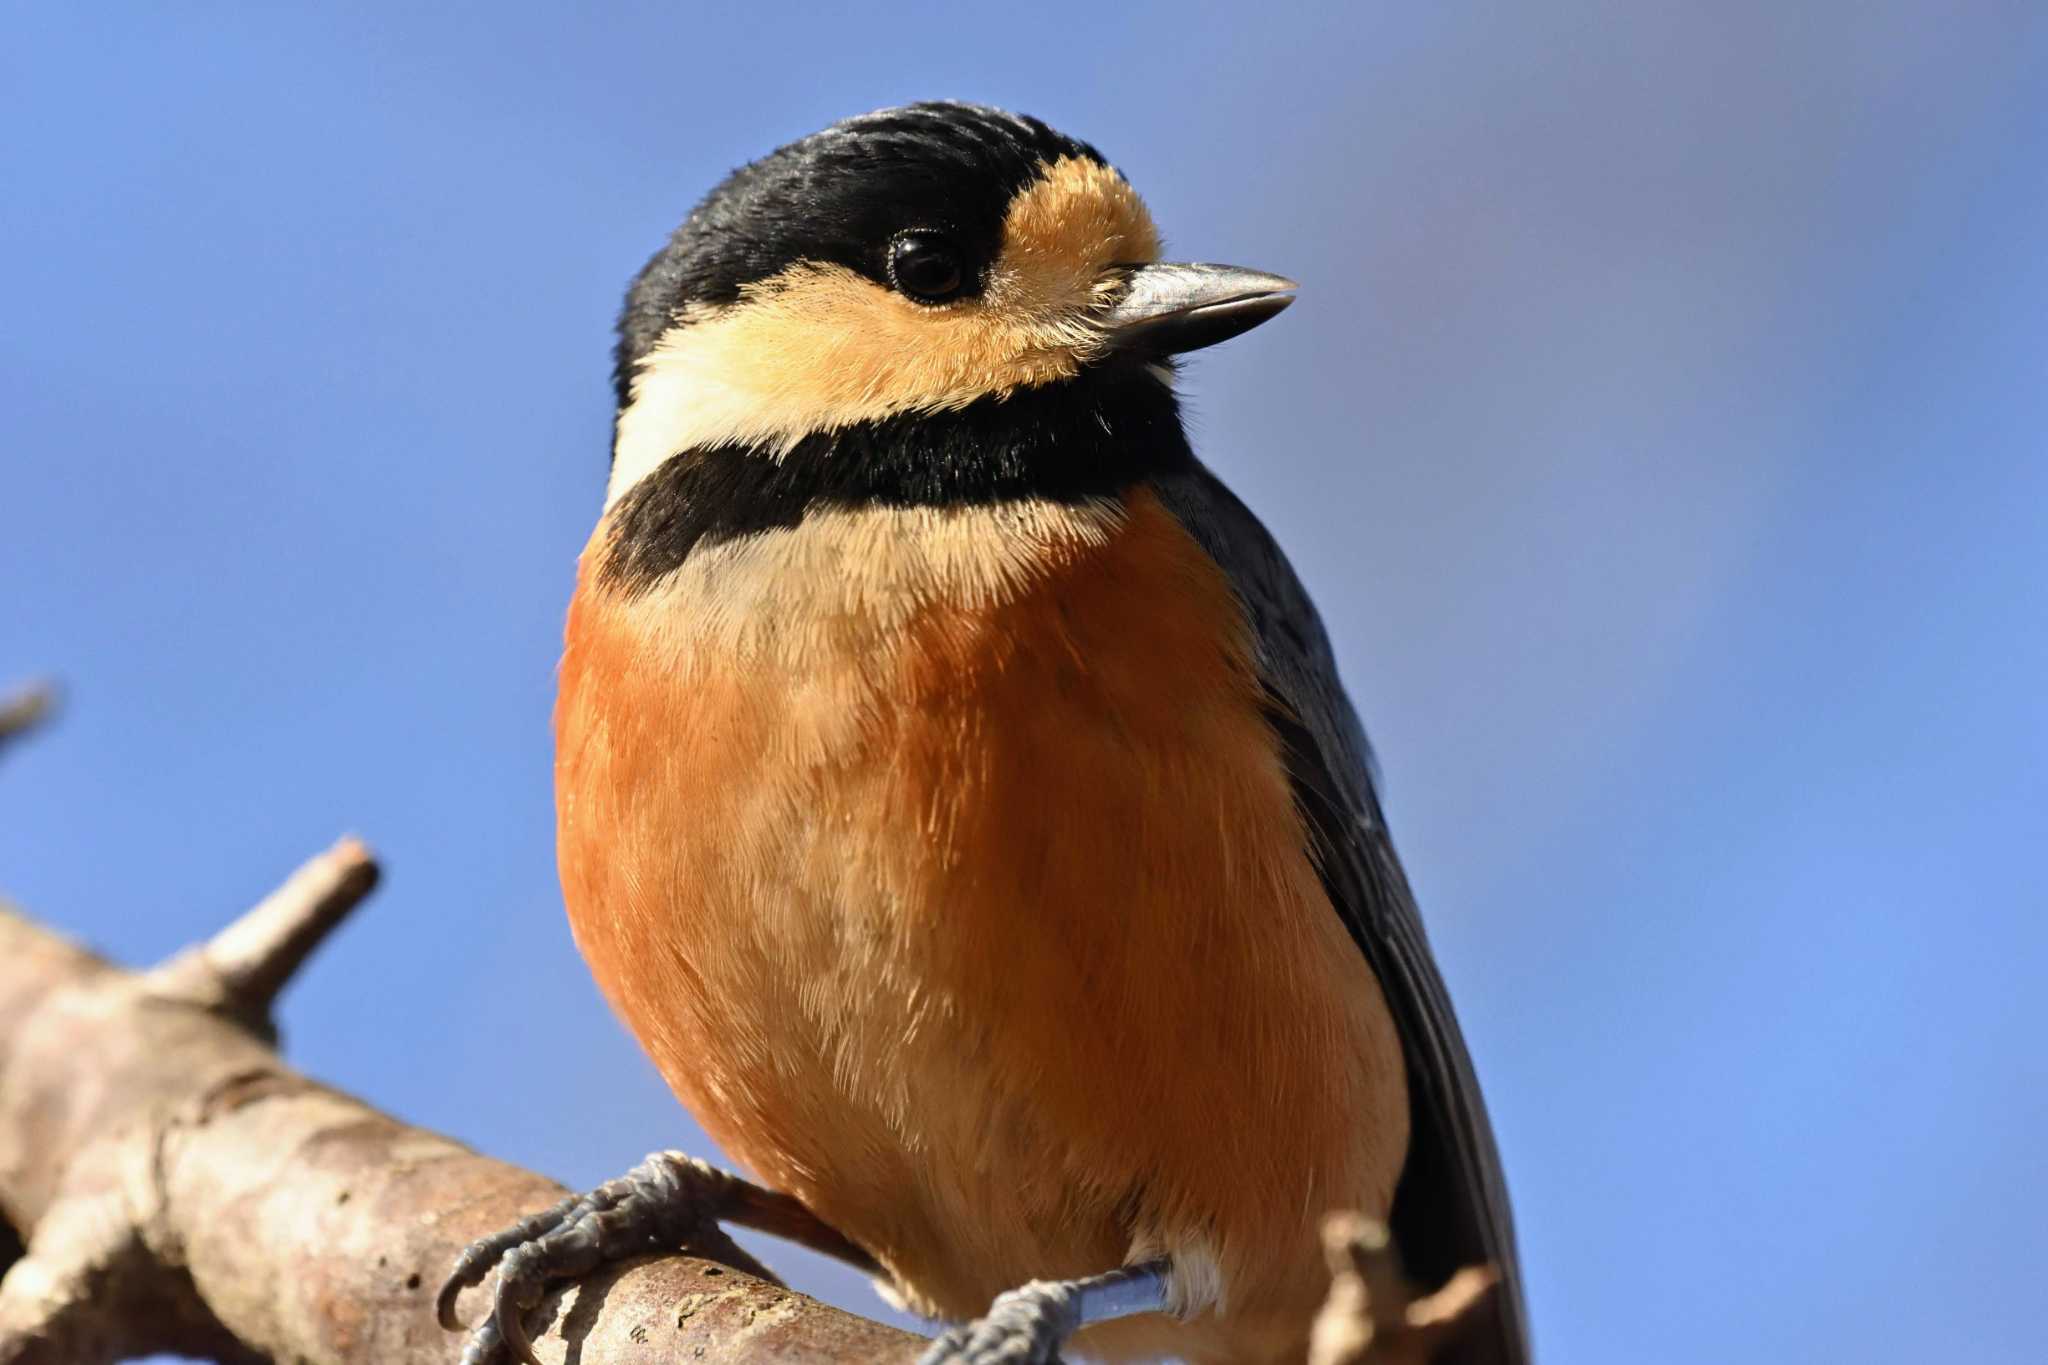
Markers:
<point>1660,429</point>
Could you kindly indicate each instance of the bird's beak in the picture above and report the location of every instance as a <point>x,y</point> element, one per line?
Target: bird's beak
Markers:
<point>1168,308</point>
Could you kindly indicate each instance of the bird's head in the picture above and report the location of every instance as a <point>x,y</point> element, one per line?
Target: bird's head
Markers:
<point>913,261</point>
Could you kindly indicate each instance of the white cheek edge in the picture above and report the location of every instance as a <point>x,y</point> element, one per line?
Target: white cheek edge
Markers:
<point>682,400</point>
<point>677,406</point>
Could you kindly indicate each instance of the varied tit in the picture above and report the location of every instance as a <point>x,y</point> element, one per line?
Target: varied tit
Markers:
<point>956,794</point>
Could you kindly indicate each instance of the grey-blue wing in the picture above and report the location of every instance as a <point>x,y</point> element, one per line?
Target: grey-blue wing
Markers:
<point>1451,1207</point>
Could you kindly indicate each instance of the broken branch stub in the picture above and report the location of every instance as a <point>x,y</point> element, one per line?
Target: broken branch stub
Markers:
<point>1371,1316</point>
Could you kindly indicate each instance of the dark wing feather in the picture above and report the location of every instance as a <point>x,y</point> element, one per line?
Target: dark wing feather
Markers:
<point>1451,1207</point>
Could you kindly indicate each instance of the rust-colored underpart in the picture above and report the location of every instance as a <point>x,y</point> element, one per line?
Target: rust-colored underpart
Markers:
<point>967,900</point>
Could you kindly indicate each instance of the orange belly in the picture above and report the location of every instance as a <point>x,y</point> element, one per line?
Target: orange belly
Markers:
<point>945,866</point>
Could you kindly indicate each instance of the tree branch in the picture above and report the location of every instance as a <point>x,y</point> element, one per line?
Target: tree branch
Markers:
<point>179,1188</point>
<point>1371,1316</point>
<point>23,710</point>
<point>242,968</point>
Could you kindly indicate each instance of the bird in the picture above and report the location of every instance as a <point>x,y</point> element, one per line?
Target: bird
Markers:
<point>957,798</point>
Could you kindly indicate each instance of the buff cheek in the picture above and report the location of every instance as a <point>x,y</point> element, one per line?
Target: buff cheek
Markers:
<point>820,347</point>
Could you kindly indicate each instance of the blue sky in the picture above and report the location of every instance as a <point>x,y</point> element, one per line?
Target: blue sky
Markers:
<point>1660,429</point>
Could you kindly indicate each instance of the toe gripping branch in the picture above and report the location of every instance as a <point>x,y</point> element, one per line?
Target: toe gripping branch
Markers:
<point>657,1206</point>
<point>1028,1325</point>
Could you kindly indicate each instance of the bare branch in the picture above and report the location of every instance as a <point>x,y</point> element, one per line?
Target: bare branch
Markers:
<point>244,966</point>
<point>48,1313</point>
<point>88,1292</point>
<point>1370,1317</point>
<point>25,709</point>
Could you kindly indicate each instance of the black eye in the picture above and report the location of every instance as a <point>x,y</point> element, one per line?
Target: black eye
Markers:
<point>926,266</point>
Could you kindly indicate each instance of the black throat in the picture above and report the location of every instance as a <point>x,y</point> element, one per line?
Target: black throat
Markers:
<point>1090,437</point>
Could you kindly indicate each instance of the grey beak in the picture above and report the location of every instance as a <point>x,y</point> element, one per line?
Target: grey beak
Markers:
<point>1169,308</point>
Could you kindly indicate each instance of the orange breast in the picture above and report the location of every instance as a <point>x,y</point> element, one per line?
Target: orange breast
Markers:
<point>944,864</point>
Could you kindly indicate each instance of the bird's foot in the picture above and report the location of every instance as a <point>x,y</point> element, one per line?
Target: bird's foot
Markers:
<point>1025,1326</point>
<point>655,1206</point>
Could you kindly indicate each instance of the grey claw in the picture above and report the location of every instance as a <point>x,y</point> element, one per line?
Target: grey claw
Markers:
<point>479,1256</point>
<point>1024,1326</point>
<point>484,1345</point>
<point>657,1204</point>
